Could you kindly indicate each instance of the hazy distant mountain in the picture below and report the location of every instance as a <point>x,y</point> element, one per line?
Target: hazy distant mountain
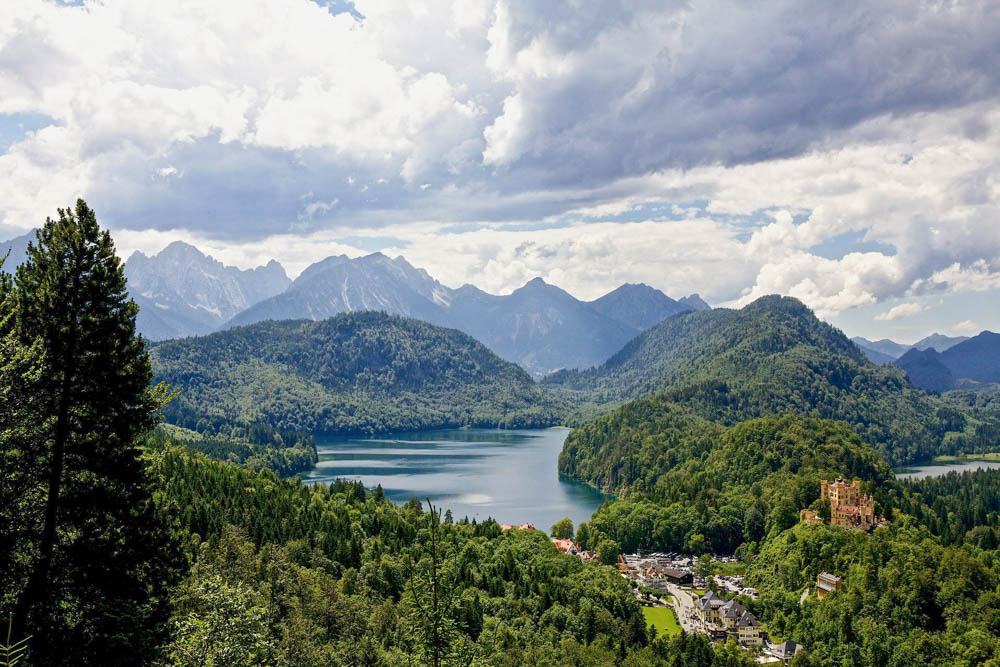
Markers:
<point>340,284</point>
<point>183,292</point>
<point>18,248</point>
<point>640,306</point>
<point>939,342</point>
<point>695,302</point>
<point>976,359</point>
<point>925,369</point>
<point>889,348</point>
<point>538,326</point>
<point>885,351</point>
<point>875,356</point>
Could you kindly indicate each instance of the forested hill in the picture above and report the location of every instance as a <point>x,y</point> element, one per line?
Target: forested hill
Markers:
<point>710,487</point>
<point>354,373</point>
<point>771,357</point>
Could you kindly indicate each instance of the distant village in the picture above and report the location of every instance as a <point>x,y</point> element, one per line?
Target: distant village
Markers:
<point>711,604</point>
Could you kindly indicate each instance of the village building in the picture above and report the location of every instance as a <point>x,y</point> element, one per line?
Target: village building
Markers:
<point>827,583</point>
<point>653,579</point>
<point>708,606</point>
<point>748,630</point>
<point>678,577</point>
<point>731,613</point>
<point>787,650</point>
<point>659,578</point>
<point>567,546</point>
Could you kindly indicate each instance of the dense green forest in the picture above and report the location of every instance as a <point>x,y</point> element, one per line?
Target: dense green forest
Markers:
<point>772,357</point>
<point>921,589</point>
<point>354,373</point>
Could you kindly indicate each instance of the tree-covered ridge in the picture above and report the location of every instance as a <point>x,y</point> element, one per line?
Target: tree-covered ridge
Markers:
<point>696,486</point>
<point>906,599</point>
<point>354,373</point>
<point>287,574</point>
<point>771,357</point>
<point>257,447</point>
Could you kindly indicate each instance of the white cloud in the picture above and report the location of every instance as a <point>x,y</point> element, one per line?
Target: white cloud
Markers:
<point>769,150</point>
<point>903,310</point>
<point>966,326</point>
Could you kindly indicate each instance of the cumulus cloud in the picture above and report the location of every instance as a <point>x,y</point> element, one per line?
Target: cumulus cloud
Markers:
<point>903,310</point>
<point>845,153</point>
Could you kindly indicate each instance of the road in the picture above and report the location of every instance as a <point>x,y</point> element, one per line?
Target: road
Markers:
<point>684,608</point>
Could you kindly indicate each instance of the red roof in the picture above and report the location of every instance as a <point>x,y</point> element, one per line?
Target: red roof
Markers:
<point>564,545</point>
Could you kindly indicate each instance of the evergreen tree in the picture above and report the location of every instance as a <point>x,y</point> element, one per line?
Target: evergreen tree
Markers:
<point>100,559</point>
<point>21,424</point>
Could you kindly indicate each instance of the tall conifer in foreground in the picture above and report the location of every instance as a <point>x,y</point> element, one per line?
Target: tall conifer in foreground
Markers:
<point>21,463</point>
<point>99,558</point>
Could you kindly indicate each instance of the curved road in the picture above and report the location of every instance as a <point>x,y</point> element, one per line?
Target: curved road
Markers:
<point>684,608</point>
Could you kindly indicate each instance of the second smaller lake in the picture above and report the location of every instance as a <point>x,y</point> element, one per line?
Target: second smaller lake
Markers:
<point>938,469</point>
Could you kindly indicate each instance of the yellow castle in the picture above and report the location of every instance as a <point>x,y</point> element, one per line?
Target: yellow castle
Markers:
<point>849,508</point>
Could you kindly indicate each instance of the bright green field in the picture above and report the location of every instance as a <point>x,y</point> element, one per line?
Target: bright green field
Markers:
<point>729,569</point>
<point>948,458</point>
<point>663,619</point>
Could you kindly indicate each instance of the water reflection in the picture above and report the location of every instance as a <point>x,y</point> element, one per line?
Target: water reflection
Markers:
<point>509,475</point>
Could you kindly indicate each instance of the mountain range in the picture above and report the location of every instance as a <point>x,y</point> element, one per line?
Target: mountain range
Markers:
<point>539,326</point>
<point>884,351</point>
<point>183,292</point>
<point>969,364</point>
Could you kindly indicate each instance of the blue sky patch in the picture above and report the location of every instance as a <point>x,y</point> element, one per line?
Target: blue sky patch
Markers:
<point>15,126</point>
<point>836,247</point>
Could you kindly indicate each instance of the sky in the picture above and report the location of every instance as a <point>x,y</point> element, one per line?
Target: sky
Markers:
<point>845,154</point>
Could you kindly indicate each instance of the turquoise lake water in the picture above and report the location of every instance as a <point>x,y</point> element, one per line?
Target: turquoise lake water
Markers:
<point>509,475</point>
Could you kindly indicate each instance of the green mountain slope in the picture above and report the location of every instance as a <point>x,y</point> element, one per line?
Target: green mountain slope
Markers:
<point>354,373</point>
<point>771,357</point>
<point>693,485</point>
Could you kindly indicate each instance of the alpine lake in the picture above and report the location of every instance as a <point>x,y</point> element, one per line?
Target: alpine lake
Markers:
<point>509,475</point>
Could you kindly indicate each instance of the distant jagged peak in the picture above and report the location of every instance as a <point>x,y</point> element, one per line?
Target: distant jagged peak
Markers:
<point>939,342</point>
<point>181,251</point>
<point>538,287</point>
<point>695,302</point>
